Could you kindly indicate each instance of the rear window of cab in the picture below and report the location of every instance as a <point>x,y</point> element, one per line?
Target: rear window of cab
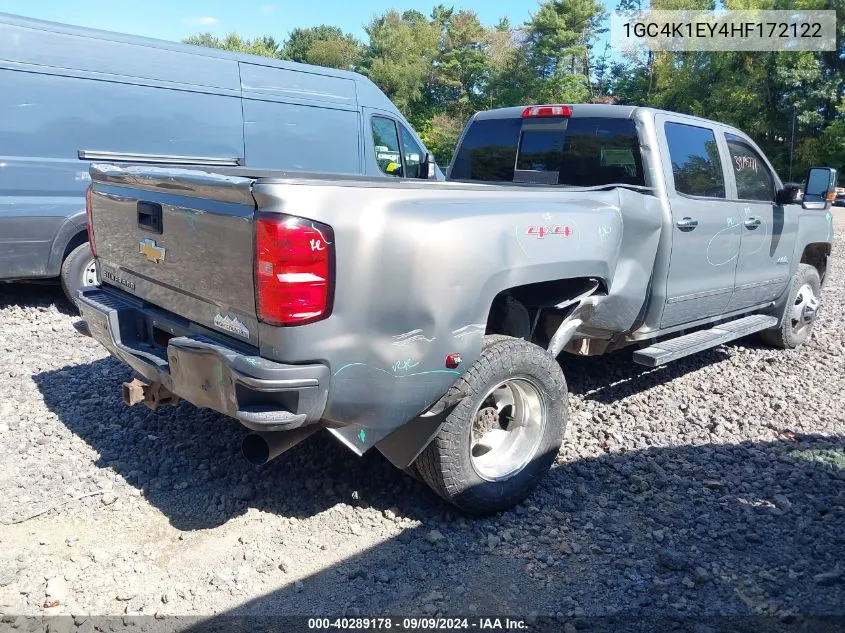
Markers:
<point>580,152</point>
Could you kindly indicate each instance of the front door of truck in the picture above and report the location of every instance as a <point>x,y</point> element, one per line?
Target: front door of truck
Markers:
<point>768,232</point>
<point>706,225</point>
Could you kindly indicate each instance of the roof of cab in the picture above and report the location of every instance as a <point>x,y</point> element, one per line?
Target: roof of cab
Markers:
<point>602,110</point>
<point>368,93</point>
<point>578,109</point>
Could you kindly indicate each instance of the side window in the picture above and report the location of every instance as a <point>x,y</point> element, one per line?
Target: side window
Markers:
<point>414,154</point>
<point>695,161</point>
<point>487,151</point>
<point>386,141</point>
<point>753,179</point>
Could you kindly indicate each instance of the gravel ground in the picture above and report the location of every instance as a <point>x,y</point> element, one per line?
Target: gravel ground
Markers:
<point>715,485</point>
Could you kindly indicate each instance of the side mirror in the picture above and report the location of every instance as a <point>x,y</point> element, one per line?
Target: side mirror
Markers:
<point>790,194</point>
<point>427,167</point>
<point>820,189</point>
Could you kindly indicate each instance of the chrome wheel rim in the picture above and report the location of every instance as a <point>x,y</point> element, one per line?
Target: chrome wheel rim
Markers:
<point>507,429</point>
<point>89,274</point>
<point>804,309</point>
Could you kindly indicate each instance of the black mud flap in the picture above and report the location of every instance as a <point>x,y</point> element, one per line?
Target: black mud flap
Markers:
<point>405,444</point>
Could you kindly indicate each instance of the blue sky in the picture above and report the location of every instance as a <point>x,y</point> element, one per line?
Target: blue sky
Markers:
<point>176,19</point>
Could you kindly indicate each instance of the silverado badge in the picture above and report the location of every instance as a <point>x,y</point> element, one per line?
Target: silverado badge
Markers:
<point>151,251</point>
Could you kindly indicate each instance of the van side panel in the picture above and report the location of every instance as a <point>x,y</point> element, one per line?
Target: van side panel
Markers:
<point>302,138</point>
<point>299,120</point>
<point>292,86</point>
<point>27,45</point>
<point>46,118</point>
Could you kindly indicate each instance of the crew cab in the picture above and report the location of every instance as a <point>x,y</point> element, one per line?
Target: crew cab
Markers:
<point>426,319</point>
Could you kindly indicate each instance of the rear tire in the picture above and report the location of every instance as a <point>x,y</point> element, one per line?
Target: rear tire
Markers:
<point>78,271</point>
<point>799,311</point>
<point>502,438</point>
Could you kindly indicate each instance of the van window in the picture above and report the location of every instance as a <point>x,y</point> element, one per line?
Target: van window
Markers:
<point>579,152</point>
<point>386,142</point>
<point>414,154</point>
<point>696,167</point>
<point>754,181</point>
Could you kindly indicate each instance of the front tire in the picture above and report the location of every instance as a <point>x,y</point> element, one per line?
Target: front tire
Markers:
<point>502,438</point>
<point>799,311</point>
<point>78,271</point>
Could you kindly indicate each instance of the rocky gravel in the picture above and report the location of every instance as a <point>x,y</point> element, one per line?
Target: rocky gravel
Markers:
<point>712,486</point>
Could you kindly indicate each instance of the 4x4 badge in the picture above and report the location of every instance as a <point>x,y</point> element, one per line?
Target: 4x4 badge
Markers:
<point>152,251</point>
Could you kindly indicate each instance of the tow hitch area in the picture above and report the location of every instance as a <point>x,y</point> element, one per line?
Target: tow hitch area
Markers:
<point>152,395</point>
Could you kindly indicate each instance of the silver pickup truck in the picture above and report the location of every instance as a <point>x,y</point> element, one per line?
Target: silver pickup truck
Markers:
<point>425,319</point>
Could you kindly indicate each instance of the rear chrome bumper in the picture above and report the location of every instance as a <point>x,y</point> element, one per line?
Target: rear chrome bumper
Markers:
<point>204,367</point>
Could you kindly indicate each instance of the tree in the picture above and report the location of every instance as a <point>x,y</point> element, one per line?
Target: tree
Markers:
<point>462,63</point>
<point>560,37</point>
<point>323,46</point>
<point>400,57</point>
<point>440,135</point>
<point>510,77</point>
<point>265,45</point>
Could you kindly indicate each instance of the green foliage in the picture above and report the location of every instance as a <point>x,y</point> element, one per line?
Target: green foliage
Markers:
<point>265,46</point>
<point>323,46</point>
<point>442,67</point>
<point>399,57</point>
<point>440,135</point>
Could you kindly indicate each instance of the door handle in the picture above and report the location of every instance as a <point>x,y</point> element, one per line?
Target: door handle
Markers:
<point>752,223</point>
<point>149,216</point>
<point>687,224</point>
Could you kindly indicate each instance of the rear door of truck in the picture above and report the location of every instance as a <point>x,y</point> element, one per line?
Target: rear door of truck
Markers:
<point>181,240</point>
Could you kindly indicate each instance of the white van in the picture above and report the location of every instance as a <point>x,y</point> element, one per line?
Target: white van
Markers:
<point>72,95</point>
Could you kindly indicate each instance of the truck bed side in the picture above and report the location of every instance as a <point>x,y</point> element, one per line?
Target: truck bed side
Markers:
<point>418,266</point>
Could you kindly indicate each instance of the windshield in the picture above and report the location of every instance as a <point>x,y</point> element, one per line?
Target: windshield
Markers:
<point>580,152</point>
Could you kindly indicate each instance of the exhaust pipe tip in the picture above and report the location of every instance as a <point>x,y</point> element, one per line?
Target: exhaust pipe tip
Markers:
<point>260,448</point>
<point>256,449</point>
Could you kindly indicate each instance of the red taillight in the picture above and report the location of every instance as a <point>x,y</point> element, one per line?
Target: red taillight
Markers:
<point>294,266</point>
<point>89,221</point>
<point>547,110</point>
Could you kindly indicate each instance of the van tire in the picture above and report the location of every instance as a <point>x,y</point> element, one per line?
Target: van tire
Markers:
<point>527,376</point>
<point>803,297</point>
<point>78,271</point>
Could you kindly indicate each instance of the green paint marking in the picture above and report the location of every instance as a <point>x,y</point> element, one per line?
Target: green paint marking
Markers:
<point>362,435</point>
<point>421,373</point>
<point>404,365</point>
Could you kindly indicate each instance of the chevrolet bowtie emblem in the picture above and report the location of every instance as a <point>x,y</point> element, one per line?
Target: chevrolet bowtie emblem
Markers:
<point>151,251</point>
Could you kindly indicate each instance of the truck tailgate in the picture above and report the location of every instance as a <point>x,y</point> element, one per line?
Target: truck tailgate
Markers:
<point>180,239</point>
